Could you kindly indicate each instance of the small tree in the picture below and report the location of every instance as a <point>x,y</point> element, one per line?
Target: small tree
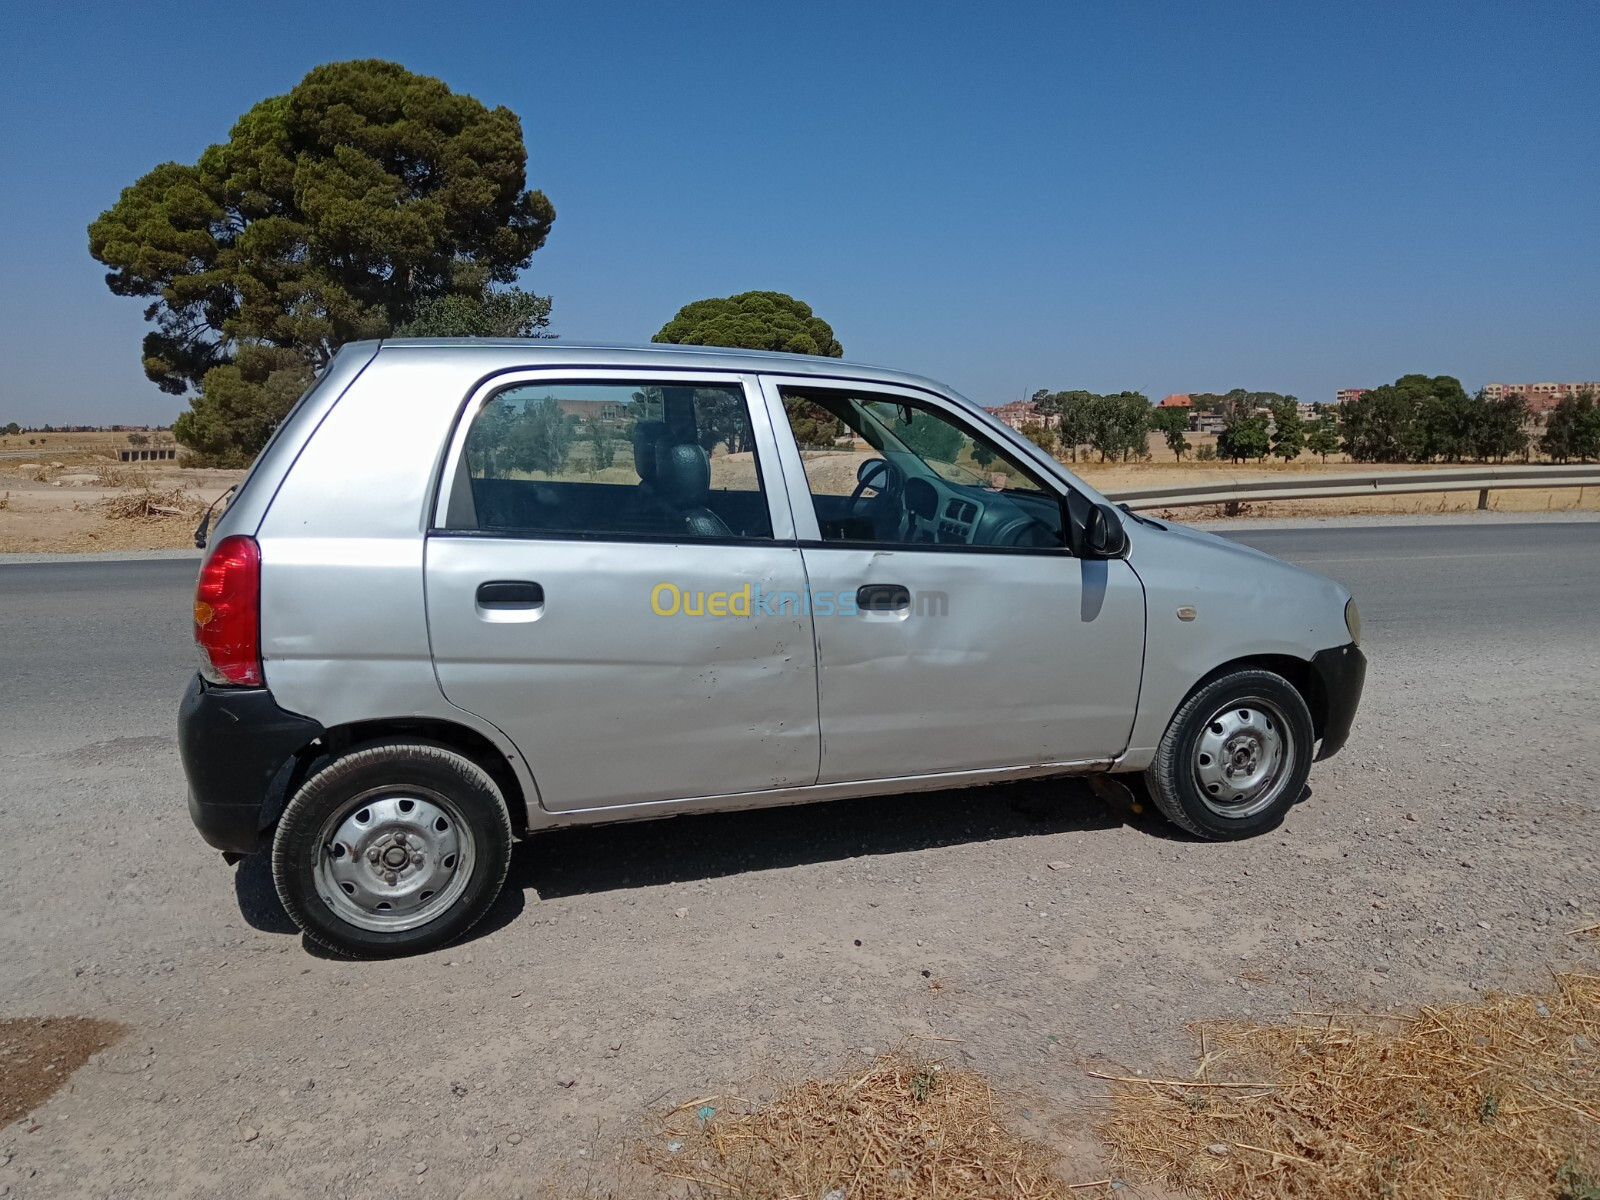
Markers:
<point>1245,437</point>
<point>1117,425</point>
<point>541,438</point>
<point>1288,433</point>
<point>1040,435</point>
<point>931,438</point>
<point>138,439</point>
<point>720,419</point>
<point>602,448</point>
<point>811,424</point>
<point>1173,423</point>
<point>1323,438</point>
<point>1072,410</point>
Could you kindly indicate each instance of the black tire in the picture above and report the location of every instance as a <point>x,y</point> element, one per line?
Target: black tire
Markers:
<point>1174,778</point>
<point>440,785</point>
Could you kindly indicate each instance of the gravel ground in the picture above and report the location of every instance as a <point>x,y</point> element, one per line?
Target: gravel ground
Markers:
<point>1448,850</point>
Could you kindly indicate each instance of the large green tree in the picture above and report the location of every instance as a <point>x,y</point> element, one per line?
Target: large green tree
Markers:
<point>1245,436</point>
<point>1501,429</point>
<point>1413,419</point>
<point>1572,430</point>
<point>358,202</point>
<point>494,312</point>
<point>1119,425</point>
<point>1074,413</point>
<point>762,321</point>
<point>753,321</point>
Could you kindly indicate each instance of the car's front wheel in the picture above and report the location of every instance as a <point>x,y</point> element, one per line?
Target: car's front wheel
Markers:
<point>392,849</point>
<point>1235,757</point>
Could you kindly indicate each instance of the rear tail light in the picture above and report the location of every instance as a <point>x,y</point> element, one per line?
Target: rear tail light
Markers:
<point>227,613</point>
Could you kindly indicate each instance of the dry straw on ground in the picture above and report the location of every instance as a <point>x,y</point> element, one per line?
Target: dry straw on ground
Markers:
<point>114,475</point>
<point>898,1129</point>
<point>149,504</point>
<point>1499,1099</point>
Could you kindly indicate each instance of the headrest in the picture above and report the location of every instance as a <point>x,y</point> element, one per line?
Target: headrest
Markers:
<point>646,436</point>
<point>683,473</point>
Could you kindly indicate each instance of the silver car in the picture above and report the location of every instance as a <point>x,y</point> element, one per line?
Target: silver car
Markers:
<point>474,589</point>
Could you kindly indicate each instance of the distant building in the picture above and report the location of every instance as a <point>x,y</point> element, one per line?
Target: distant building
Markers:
<point>149,454</point>
<point>593,412</point>
<point>1177,400</point>
<point>1346,395</point>
<point>1023,412</point>
<point>1541,397</point>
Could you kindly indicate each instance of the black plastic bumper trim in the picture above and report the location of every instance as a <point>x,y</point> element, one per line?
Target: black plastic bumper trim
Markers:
<point>234,743</point>
<point>1341,672</point>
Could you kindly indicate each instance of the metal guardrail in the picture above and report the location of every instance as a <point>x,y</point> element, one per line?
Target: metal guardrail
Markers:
<point>1482,480</point>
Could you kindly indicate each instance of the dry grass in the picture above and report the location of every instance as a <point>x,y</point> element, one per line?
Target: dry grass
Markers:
<point>898,1129</point>
<point>148,504</point>
<point>1497,1099</point>
<point>117,476</point>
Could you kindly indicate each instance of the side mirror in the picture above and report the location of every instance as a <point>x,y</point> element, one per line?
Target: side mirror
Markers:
<point>878,474</point>
<point>1103,534</point>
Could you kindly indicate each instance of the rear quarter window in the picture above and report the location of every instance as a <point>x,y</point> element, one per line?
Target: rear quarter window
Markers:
<point>616,460</point>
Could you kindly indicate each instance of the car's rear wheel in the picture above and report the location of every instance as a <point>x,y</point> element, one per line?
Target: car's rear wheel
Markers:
<point>392,849</point>
<point>1235,757</point>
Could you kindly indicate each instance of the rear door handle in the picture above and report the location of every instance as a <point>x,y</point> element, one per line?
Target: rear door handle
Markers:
<point>883,598</point>
<point>514,597</point>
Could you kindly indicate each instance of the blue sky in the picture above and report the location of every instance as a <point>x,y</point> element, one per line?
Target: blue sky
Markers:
<point>1161,196</point>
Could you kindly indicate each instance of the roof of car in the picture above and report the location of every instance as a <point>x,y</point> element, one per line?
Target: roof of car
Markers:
<point>541,351</point>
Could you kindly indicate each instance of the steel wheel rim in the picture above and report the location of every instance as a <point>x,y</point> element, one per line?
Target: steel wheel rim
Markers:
<point>1243,758</point>
<point>394,858</point>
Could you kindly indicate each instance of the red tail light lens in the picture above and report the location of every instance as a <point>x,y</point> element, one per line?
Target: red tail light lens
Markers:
<point>227,613</point>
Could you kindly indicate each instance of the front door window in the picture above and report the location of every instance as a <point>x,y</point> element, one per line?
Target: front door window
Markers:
<point>886,470</point>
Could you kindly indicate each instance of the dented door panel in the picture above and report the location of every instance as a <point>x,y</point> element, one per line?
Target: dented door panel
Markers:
<point>997,660</point>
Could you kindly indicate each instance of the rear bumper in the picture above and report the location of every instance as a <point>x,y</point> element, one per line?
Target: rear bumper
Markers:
<point>237,747</point>
<point>1340,672</point>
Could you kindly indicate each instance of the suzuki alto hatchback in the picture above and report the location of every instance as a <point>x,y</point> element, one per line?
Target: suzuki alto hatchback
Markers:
<point>471,590</point>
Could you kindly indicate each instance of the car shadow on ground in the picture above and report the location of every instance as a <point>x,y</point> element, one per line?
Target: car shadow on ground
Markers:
<point>589,859</point>
<point>604,858</point>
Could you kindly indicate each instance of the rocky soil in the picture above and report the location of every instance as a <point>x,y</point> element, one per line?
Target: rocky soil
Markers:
<point>1031,932</point>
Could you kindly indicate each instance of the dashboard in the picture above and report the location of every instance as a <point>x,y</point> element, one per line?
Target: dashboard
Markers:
<point>946,513</point>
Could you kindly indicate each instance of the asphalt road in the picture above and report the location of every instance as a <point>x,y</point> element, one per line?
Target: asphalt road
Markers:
<point>1034,930</point>
<point>100,650</point>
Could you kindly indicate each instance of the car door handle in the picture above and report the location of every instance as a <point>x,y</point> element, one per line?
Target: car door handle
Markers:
<point>510,595</point>
<point>883,598</point>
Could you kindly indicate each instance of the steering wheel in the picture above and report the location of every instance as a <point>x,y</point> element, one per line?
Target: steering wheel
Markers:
<point>1021,530</point>
<point>882,476</point>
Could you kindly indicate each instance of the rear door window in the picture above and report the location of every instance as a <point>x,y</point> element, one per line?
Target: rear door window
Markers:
<point>612,460</point>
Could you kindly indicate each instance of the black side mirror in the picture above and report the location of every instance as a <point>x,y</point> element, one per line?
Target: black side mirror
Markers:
<point>1103,534</point>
